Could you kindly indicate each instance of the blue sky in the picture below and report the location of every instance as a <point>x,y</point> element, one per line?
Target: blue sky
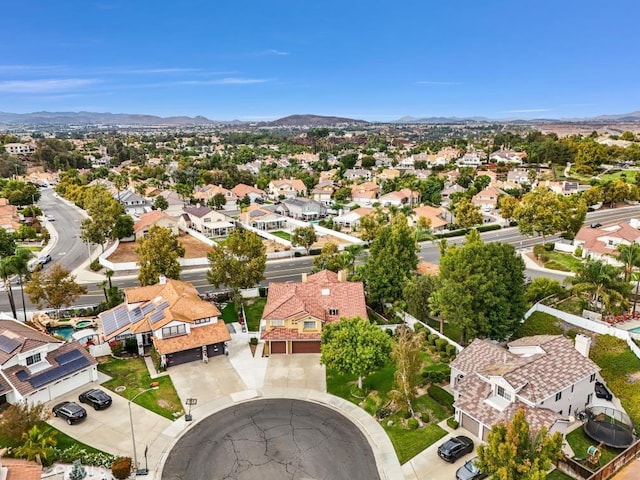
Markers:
<point>361,59</point>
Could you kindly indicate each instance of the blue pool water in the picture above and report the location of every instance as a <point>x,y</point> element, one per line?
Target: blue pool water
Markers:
<point>65,331</point>
<point>635,330</point>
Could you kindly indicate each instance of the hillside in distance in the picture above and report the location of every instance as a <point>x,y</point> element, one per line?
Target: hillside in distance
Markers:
<point>308,120</point>
<point>94,118</point>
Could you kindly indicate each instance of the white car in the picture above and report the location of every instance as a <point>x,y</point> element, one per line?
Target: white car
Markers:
<point>50,218</point>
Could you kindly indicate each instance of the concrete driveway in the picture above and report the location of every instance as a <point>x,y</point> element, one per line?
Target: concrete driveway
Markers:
<point>206,381</point>
<point>110,430</point>
<point>297,371</point>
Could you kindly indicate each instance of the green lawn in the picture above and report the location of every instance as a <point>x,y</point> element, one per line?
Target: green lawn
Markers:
<point>539,323</point>
<point>451,330</point>
<point>558,475</point>
<point>564,262</point>
<point>580,442</point>
<point>573,305</point>
<point>407,443</point>
<point>253,311</point>
<point>281,234</point>
<point>621,370</point>
<point>133,374</point>
<point>229,313</point>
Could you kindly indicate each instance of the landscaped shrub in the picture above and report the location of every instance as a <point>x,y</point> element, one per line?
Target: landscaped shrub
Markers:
<point>488,228</point>
<point>412,424</point>
<point>441,344</point>
<point>116,348</point>
<point>452,423</point>
<point>436,373</point>
<point>538,249</point>
<point>262,291</point>
<point>253,341</point>
<point>19,418</point>
<point>577,252</point>
<point>418,327</point>
<point>315,251</point>
<point>94,266</point>
<point>549,247</point>
<point>432,338</point>
<point>571,333</point>
<point>382,412</point>
<point>131,345</point>
<point>450,350</point>
<point>121,468</point>
<point>440,395</point>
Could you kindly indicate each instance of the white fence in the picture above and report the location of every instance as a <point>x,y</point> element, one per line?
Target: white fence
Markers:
<point>327,231</point>
<point>267,235</point>
<point>563,247</point>
<point>596,326</point>
<point>411,321</point>
<point>199,236</point>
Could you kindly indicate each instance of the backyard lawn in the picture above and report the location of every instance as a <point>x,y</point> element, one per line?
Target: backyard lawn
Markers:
<point>558,475</point>
<point>580,442</point>
<point>281,234</point>
<point>564,262</point>
<point>406,442</point>
<point>451,330</point>
<point>133,374</point>
<point>229,313</point>
<point>253,311</point>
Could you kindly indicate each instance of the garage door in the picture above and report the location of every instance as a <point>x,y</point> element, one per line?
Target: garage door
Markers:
<point>306,347</point>
<point>65,385</point>
<point>278,347</point>
<point>470,424</point>
<point>184,356</point>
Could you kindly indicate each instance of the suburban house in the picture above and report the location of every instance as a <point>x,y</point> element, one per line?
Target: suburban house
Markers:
<point>19,148</point>
<point>254,193</point>
<point>486,199</point>
<point>170,316</point>
<point>365,194</point>
<point>351,219</point>
<point>295,312</point>
<point>448,190</point>
<point>133,203</point>
<point>545,374</point>
<point>519,176</point>
<point>561,188</point>
<point>286,188</point>
<point>602,242</point>
<point>155,217</point>
<point>176,203</point>
<point>36,367</point>
<point>206,192</point>
<point>9,217</point>
<point>262,218</point>
<point>354,174</point>
<point>435,217</point>
<point>388,174</point>
<point>207,221</point>
<point>303,209</point>
<point>470,159</point>
<point>323,192</point>
<point>508,157</point>
<point>406,196</point>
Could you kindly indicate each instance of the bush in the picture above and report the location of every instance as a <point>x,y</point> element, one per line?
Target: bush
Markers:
<point>436,373</point>
<point>577,252</point>
<point>116,348</point>
<point>538,249</point>
<point>131,345</point>
<point>315,251</point>
<point>253,341</point>
<point>297,254</point>
<point>68,455</point>
<point>571,333</point>
<point>440,395</point>
<point>418,327</point>
<point>412,424</point>
<point>94,266</point>
<point>121,468</point>
<point>452,423</point>
<point>432,338</point>
<point>382,412</point>
<point>488,228</point>
<point>19,418</point>
<point>441,344</point>
<point>549,247</point>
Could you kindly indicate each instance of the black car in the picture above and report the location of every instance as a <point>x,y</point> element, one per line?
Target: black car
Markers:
<point>602,391</point>
<point>469,471</point>
<point>596,225</point>
<point>454,448</point>
<point>70,411</point>
<point>96,398</point>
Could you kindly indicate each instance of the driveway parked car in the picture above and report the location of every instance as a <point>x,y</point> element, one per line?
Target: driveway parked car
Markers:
<point>602,391</point>
<point>469,471</point>
<point>96,398</point>
<point>454,448</point>
<point>70,411</point>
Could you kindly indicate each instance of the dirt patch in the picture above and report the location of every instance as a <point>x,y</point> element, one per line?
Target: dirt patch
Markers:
<point>273,246</point>
<point>322,241</point>
<point>193,248</point>
<point>163,403</point>
<point>634,377</point>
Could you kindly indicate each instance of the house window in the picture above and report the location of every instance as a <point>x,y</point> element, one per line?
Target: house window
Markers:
<point>593,378</point>
<point>503,393</point>
<point>569,412</point>
<point>589,397</point>
<point>558,396</point>
<point>311,325</point>
<point>175,330</point>
<point>333,311</point>
<point>202,320</point>
<point>34,359</point>
<point>572,390</point>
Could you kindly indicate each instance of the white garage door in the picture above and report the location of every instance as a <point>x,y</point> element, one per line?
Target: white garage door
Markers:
<point>472,425</point>
<point>65,385</point>
<point>40,396</point>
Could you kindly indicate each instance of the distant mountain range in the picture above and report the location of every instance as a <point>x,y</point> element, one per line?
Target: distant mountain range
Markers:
<point>114,119</point>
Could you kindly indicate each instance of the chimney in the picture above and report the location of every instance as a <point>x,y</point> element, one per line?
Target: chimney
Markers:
<point>162,280</point>
<point>342,277</point>
<point>304,278</point>
<point>583,344</point>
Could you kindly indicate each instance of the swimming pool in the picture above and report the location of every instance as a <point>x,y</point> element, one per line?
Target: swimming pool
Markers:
<point>64,331</point>
<point>634,330</point>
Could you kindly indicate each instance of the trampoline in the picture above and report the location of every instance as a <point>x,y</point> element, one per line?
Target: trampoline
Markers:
<point>609,426</point>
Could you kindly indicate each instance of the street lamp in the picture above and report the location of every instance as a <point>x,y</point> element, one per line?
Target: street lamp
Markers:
<point>143,471</point>
<point>190,402</point>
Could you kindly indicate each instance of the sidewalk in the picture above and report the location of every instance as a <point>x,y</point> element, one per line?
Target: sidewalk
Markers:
<point>531,264</point>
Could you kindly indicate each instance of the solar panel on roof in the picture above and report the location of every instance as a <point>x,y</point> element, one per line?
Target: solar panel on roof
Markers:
<point>68,356</point>
<point>58,372</point>
<point>163,305</point>
<point>8,345</point>
<point>135,315</point>
<point>156,316</point>
<point>147,307</point>
<point>22,375</point>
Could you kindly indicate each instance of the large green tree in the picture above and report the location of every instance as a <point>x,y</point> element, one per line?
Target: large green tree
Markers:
<point>392,260</point>
<point>53,288</point>
<point>541,212</point>
<point>354,346</point>
<point>514,452</point>
<point>629,255</point>
<point>416,293</point>
<point>481,288</point>
<point>304,237</point>
<point>467,214</point>
<point>158,255</point>
<point>7,243</point>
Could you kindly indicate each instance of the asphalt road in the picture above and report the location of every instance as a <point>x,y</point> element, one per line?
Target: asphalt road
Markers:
<point>275,439</point>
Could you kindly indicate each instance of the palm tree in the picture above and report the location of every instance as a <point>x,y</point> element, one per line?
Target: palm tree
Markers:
<point>37,445</point>
<point>602,284</point>
<point>6,271</point>
<point>21,268</point>
<point>629,255</point>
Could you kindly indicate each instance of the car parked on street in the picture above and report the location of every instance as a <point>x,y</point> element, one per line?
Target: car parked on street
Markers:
<point>454,448</point>
<point>469,471</point>
<point>70,411</point>
<point>50,218</point>
<point>96,398</point>
<point>44,259</point>
<point>602,391</point>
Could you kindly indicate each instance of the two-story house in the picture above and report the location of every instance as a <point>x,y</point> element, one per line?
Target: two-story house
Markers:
<point>36,367</point>
<point>351,219</point>
<point>323,192</point>
<point>295,312</point>
<point>545,374</point>
<point>365,194</point>
<point>357,174</point>
<point>206,193</point>
<point>436,217</point>
<point>486,199</point>
<point>263,218</point>
<point>290,188</point>
<point>171,316</point>
<point>398,198</point>
<point>303,209</point>
<point>133,203</point>
<point>207,221</point>
<point>508,157</point>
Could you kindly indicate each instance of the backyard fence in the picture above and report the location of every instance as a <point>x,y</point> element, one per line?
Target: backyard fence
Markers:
<point>411,321</point>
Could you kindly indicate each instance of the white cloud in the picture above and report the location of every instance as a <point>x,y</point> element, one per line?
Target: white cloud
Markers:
<point>45,85</point>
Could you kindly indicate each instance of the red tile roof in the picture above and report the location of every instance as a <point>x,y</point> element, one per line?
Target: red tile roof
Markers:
<point>150,218</point>
<point>282,333</point>
<point>590,236</point>
<point>199,336</point>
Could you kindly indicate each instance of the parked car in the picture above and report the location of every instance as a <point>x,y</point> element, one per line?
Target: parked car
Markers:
<point>44,260</point>
<point>96,398</point>
<point>70,411</point>
<point>454,448</point>
<point>602,391</point>
<point>596,225</point>
<point>469,471</point>
<point>51,218</point>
